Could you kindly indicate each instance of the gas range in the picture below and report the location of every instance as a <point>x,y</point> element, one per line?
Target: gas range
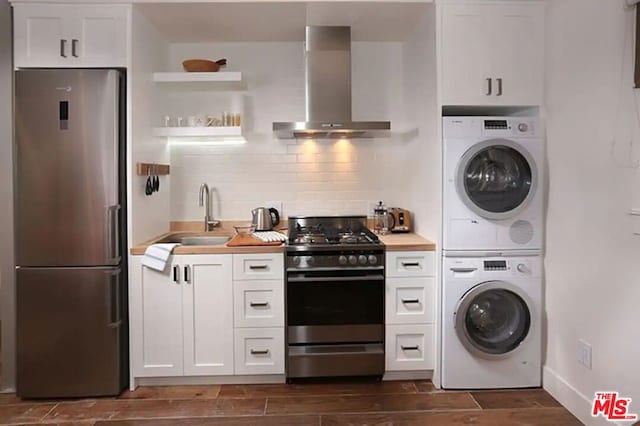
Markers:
<point>335,286</point>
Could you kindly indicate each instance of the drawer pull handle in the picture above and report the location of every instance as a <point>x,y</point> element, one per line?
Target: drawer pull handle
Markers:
<point>410,264</point>
<point>410,348</point>
<point>408,301</point>
<point>259,352</point>
<point>259,304</point>
<point>254,267</point>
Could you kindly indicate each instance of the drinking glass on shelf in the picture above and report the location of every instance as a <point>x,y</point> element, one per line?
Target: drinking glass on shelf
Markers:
<point>167,121</point>
<point>236,119</point>
<point>226,119</point>
<point>179,122</point>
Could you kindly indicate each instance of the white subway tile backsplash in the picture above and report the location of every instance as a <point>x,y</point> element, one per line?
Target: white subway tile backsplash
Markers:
<point>309,177</point>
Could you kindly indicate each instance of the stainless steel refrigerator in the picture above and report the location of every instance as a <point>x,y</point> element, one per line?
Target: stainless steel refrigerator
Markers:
<point>70,233</point>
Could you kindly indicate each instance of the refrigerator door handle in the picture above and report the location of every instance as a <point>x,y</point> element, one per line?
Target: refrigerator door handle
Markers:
<point>113,279</point>
<point>113,221</point>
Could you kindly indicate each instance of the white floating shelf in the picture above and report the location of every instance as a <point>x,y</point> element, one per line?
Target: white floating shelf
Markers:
<point>189,132</point>
<point>197,77</point>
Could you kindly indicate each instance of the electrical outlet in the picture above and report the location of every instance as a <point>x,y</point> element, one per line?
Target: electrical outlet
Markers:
<point>584,354</point>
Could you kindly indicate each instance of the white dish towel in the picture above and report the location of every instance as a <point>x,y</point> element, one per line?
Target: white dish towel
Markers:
<point>157,255</point>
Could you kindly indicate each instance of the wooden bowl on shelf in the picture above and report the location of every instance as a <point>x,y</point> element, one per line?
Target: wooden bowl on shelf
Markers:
<point>203,65</point>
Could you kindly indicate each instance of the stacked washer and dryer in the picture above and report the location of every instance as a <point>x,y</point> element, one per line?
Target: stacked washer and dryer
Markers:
<point>492,245</point>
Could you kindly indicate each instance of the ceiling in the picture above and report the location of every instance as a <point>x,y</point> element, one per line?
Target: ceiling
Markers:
<point>269,22</point>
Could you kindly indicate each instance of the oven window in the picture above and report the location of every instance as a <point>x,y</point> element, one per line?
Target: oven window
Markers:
<point>335,303</point>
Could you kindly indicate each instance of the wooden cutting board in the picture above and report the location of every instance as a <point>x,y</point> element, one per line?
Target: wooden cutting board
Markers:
<point>249,240</point>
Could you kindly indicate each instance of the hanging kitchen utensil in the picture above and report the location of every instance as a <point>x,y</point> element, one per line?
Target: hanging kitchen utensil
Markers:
<point>156,179</point>
<point>148,189</point>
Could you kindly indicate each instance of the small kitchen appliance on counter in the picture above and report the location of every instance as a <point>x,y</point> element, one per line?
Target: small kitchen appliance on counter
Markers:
<point>335,286</point>
<point>401,220</point>
<point>265,218</point>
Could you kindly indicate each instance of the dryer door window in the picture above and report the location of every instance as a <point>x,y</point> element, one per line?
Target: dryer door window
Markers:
<point>496,179</point>
<point>492,319</point>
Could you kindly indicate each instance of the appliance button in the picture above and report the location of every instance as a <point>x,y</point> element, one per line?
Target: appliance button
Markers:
<point>523,127</point>
<point>353,260</point>
<point>521,267</point>
<point>362,259</point>
<point>342,260</point>
<point>373,259</point>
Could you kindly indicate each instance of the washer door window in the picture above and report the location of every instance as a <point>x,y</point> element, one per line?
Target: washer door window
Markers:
<point>496,179</point>
<point>493,318</point>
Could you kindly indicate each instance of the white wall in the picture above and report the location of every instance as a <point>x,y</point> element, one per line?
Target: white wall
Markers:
<point>592,258</point>
<point>149,216</point>
<point>311,177</point>
<point>7,281</point>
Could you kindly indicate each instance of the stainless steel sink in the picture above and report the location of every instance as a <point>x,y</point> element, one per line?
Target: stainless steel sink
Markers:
<point>196,241</point>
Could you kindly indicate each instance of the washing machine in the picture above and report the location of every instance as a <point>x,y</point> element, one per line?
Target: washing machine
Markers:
<point>492,309</point>
<point>493,183</point>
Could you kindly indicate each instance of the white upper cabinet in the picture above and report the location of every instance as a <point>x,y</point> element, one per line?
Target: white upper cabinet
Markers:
<point>492,54</point>
<point>70,36</point>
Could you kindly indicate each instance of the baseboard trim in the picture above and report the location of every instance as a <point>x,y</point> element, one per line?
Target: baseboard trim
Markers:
<point>408,375</point>
<point>571,398</point>
<point>209,380</point>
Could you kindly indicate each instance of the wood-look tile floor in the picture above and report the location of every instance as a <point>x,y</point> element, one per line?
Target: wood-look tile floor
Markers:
<point>319,404</point>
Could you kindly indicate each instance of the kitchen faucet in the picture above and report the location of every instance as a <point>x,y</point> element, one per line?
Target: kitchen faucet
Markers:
<point>204,199</point>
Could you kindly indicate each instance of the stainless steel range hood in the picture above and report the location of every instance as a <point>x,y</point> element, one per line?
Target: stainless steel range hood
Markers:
<point>328,91</point>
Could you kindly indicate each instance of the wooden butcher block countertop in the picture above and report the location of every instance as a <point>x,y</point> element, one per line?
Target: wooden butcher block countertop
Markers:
<point>406,242</point>
<point>392,242</point>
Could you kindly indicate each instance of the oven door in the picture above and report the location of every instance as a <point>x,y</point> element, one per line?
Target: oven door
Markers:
<point>328,307</point>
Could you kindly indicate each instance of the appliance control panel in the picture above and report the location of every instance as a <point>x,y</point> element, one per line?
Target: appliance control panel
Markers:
<point>495,127</point>
<point>466,267</point>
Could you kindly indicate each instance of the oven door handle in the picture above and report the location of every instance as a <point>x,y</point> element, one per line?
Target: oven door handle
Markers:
<point>307,279</point>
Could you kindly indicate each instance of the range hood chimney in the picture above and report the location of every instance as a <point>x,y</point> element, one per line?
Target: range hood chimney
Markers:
<point>328,91</point>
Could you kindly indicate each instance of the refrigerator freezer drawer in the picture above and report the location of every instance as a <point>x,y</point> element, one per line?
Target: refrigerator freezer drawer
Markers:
<point>68,332</point>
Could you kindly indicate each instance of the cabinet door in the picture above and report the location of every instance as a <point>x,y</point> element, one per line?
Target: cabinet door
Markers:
<point>208,314</point>
<point>40,36</point>
<point>156,321</point>
<point>99,36</point>
<point>465,54</point>
<point>518,52</point>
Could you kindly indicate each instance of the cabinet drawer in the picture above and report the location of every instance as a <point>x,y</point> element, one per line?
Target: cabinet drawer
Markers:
<point>259,350</point>
<point>268,266</point>
<point>410,264</point>
<point>410,300</point>
<point>258,303</point>
<point>409,347</point>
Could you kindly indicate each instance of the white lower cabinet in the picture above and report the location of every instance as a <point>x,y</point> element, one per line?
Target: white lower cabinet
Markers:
<point>410,311</point>
<point>259,350</point>
<point>409,347</point>
<point>258,303</point>
<point>208,315</point>
<point>182,318</point>
<point>196,319</point>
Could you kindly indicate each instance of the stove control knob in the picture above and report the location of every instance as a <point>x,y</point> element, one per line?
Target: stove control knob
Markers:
<point>353,260</point>
<point>373,259</point>
<point>296,260</point>
<point>342,260</point>
<point>310,260</point>
<point>362,259</point>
